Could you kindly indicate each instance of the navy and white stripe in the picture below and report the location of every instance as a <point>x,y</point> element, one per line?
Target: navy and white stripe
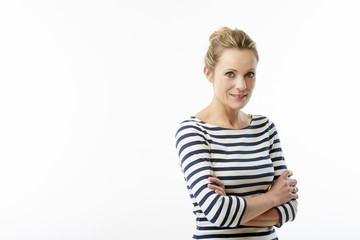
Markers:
<point>247,160</point>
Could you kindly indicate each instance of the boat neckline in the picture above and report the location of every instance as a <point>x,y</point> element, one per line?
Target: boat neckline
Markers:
<point>218,127</point>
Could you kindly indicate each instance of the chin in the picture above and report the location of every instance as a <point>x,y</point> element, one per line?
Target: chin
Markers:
<point>238,107</point>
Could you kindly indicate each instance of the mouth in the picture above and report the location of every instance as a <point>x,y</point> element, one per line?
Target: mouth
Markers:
<point>239,96</point>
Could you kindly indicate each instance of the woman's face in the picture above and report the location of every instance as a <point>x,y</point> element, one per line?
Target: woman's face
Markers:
<point>234,77</point>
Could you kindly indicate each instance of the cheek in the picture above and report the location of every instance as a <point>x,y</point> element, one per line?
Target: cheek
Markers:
<point>251,84</point>
<point>221,85</point>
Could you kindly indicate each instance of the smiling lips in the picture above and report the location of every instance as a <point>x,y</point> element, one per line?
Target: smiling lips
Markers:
<point>238,96</point>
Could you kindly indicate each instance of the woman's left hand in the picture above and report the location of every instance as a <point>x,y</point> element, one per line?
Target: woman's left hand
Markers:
<point>220,188</point>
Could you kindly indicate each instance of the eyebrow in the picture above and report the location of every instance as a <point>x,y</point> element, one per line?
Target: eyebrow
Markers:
<point>234,70</point>
<point>231,69</point>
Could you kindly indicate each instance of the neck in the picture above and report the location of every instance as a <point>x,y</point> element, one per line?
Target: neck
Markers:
<point>225,116</point>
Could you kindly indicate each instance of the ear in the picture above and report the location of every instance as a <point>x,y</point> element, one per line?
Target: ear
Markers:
<point>209,74</point>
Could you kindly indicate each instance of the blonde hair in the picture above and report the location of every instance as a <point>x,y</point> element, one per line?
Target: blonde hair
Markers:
<point>227,38</point>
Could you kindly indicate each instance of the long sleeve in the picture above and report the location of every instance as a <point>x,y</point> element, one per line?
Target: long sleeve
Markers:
<point>287,212</point>
<point>192,144</point>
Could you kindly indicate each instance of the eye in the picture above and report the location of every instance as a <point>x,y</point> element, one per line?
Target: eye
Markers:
<point>230,74</point>
<point>250,75</point>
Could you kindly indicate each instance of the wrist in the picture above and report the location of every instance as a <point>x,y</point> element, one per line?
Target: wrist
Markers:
<point>272,199</point>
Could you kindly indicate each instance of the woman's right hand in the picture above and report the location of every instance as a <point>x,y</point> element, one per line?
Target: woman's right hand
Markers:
<point>219,188</point>
<point>283,189</point>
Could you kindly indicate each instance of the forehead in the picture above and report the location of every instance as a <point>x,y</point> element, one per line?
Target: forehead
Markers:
<point>241,59</point>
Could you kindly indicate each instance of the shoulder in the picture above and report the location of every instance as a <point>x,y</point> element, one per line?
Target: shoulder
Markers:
<point>190,127</point>
<point>260,119</point>
<point>263,121</point>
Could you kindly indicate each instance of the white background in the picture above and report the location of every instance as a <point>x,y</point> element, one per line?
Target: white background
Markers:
<point>91,94</point>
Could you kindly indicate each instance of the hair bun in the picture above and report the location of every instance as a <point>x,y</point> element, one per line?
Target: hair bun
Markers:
<point>227,38</point>
<point>218,33</point>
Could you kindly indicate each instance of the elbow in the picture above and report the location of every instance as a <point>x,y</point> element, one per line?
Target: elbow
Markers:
<point>287,212</point>
<point>216,223</point>
<point>219,222</point>
<point>215,214</point>
<point>229,212</point>
<point>294,204</point>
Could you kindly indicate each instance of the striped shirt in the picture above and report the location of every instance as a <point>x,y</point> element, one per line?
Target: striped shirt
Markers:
<point>247,160</point>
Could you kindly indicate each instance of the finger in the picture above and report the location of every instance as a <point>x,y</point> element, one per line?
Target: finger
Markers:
<point>295,196</point>
<point>293,189</point>
<point>285,174</point>
<point>220,193</point>
<point>217,181</point>
<point>214,187</point>
<point>213,174</point>
<point>217,189</point>
<point>291,182</point>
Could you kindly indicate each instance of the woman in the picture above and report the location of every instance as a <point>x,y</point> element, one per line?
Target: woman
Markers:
<point>221,147</point>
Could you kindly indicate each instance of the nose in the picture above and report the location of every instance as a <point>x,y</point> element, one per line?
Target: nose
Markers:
<point>240,84</point>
